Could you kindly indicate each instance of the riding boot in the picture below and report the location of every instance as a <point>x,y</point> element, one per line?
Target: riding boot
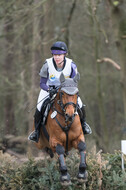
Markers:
<point>34,136</point>
<point>85,127</point>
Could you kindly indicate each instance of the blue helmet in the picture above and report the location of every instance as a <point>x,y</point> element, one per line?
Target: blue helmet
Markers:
<point>59,47</point>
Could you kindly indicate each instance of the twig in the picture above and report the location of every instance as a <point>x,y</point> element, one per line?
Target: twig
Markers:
<point>100,175</point>
<point>105,59</point>
<point>123,37</point>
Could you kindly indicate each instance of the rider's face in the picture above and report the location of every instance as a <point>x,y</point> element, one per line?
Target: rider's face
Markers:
<point>59,59</point>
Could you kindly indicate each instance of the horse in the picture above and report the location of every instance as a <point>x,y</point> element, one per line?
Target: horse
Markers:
<point>64,128</point>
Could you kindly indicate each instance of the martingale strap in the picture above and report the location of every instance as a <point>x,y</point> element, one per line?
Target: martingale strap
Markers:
<point>66,130</point>
<point>54,109</point>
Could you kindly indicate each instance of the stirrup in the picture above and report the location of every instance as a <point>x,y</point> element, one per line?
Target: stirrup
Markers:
<point>30,139</point>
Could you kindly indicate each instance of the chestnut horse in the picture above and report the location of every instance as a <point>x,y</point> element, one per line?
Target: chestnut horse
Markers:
<point>64,127</point>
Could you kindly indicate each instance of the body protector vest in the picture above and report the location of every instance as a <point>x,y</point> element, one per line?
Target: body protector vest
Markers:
<point>53,74</point>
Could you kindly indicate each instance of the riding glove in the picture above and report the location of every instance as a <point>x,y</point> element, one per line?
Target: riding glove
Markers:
<point>52,91</point>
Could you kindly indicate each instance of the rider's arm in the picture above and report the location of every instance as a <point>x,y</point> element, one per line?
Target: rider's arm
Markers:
<point>44,77</point>
<point>73,70</point>
<point>43,84</point>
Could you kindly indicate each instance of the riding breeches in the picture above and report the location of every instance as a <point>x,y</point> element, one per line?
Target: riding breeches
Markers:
<point>43,95</point>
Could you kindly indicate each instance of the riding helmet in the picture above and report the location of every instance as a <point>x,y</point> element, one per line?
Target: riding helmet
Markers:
<point>59,47</point>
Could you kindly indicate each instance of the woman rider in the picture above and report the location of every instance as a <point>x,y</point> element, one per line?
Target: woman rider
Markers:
<point>50,73</point>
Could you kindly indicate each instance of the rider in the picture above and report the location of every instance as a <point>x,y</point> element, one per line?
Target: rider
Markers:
<point>49,72</point>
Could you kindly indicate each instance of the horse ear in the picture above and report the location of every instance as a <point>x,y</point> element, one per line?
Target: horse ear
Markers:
<point>62,78</point>
<point>77,77</point>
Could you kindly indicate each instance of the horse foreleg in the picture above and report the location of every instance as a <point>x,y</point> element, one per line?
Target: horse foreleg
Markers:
<point>82,174</point>
<point>65,177</point>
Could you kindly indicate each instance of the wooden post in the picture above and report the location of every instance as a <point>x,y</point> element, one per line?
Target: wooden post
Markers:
<point>123,149</point>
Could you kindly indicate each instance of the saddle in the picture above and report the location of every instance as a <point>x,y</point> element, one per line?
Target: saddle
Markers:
<point>45,110</point>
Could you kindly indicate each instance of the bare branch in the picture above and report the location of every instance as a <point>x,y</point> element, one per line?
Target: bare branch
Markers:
<point>123,37</point>
<point>108,60</point>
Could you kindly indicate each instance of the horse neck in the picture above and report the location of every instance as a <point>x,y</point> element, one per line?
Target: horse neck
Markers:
<point>57,106</point>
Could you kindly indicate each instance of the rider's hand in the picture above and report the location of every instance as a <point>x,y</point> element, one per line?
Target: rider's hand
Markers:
<point>52,91</point>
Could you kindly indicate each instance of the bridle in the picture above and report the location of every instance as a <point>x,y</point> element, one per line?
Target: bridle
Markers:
<point>64,106</point>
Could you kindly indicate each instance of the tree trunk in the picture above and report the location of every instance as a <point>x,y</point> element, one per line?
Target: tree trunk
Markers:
<point>102,133</point>
<point>118,17</point>
<point>35,67</point>
<point>48,35</point>
<point>8,73</point>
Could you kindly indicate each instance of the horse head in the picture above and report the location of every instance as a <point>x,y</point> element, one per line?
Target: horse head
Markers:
<point>68,96</point>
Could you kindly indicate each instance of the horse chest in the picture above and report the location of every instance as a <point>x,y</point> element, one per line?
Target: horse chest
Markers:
<point>73,134</point>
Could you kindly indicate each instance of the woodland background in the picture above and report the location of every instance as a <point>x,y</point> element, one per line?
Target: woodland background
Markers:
<point>95,33</point>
